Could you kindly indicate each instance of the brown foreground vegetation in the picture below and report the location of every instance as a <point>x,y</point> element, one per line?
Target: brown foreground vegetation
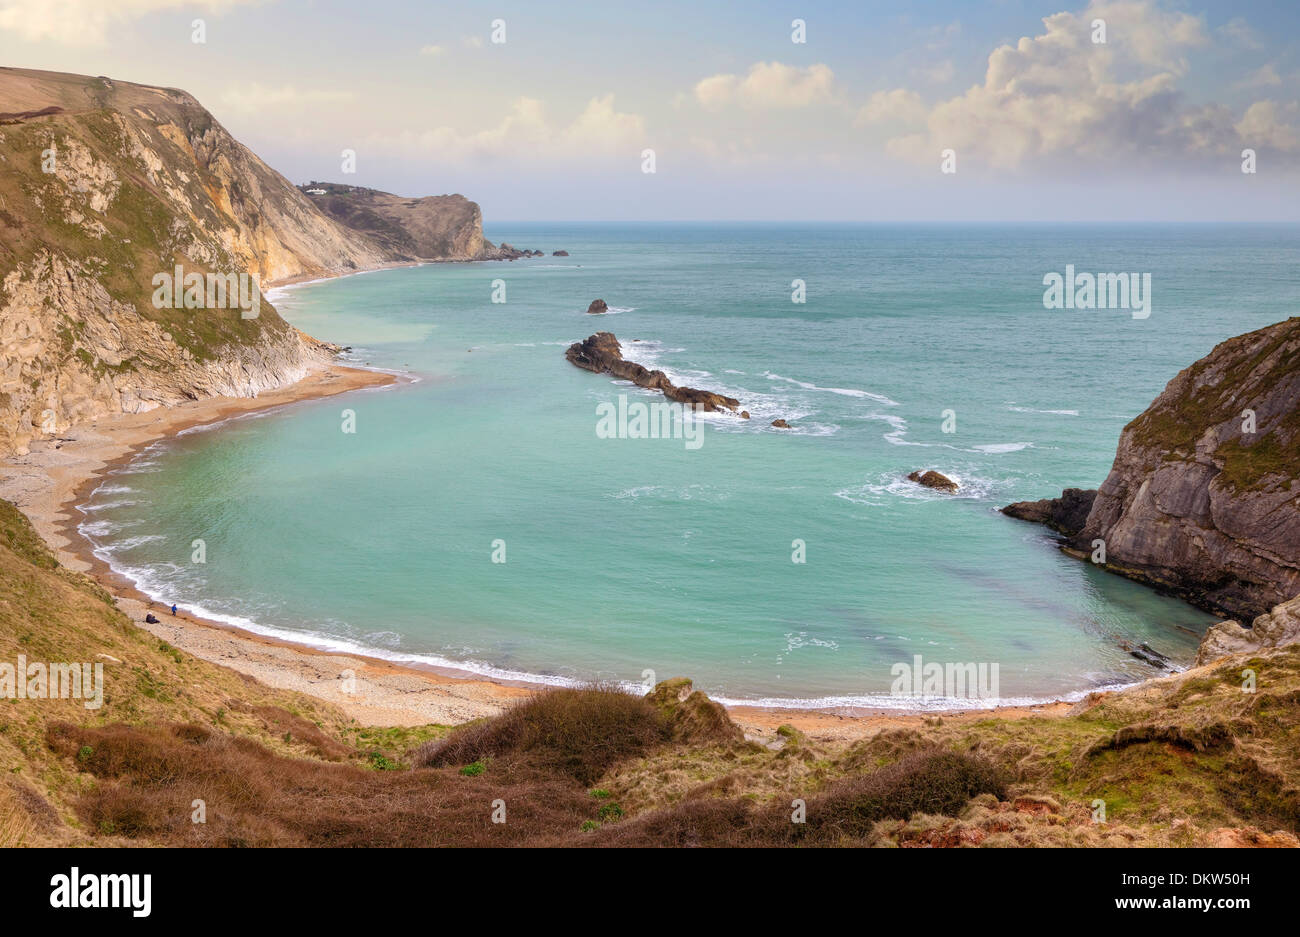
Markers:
<point>1190,759</point>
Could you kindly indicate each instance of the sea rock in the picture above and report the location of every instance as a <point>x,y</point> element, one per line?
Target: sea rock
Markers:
<point>559,253</point>
<point>933,479</point>
<point>601,353</point>
<point>1277,628</point>
<point>1066,514</point>
<point>780,424</point>
<point>1201,499</point>
<point>744,414</point>
<point>597,306</point>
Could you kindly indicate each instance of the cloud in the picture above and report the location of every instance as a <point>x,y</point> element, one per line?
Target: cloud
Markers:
<point>1238,31</point>
<point>431,50</point>
<point>1060,96</point>
<point>1266,124</point>
<point>253,97</point>
<point>472,42</point>
<point>86,22</point>
<point>526,133</point>
<point>897,106</point>
<point>1263,77</point>
<point>768,85</point>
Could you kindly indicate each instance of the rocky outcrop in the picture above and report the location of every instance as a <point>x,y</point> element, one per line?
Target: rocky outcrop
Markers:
<point>1202,498</point>
<point>933,479</point>
<point>1274,629</point>
<point>597,307</point>
<point>436,227</point>
<point>779,424</point>
<point>1065,515</point>
<point>603,354</point>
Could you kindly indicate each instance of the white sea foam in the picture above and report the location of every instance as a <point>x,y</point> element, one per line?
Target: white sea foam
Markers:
<point>890,485</point>
<point>1053,412</point>
<point>842,391</point>
<point>996,448</point>
<point>106,505</point>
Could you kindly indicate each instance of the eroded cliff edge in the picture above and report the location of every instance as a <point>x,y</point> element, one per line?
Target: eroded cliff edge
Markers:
<point>1203,499</point>
<point>105,185</point>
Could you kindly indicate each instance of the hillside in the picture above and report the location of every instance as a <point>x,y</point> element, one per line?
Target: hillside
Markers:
<point>1201,499</point>
<point>106,186</point>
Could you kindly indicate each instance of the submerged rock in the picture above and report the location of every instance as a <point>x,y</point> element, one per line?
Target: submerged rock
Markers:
<point>559,253</point>
<point>933,479</point>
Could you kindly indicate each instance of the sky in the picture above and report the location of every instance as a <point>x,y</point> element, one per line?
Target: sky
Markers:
<point>1039,118</point>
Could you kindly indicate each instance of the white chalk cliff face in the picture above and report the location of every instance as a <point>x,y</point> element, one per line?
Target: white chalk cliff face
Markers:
<point>105,185</point>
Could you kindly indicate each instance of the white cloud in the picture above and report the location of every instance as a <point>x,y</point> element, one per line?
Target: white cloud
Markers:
<point>472,42</point>
<point>253,97</point>
<point>526,133</point>
<point>768,85</point>
<point>1266,124</point>
<point>1263,77</point>
<point>897,106</point>
<point>431,50</point>
<point>86,22</point>
<point>1240,32</point>
<point>1058,95</point>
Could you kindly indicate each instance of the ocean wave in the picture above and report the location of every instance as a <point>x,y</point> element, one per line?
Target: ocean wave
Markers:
<point>890,485</point>
<point>887,701</point>
<point>997,448</point>
<point>842,391</point>
<point>107,489</point>
<point>130,543</point>
<point>105,528</point>
<point>1052,412</point>
<point>105,506</point>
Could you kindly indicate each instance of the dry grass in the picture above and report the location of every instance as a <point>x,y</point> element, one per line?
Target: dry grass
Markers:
<point>580,733</point>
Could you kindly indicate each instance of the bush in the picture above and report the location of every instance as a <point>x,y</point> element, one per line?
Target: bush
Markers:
<point>933,781</point>
<point>580,733</point>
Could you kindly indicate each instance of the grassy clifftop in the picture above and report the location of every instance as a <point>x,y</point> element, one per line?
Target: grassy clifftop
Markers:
<point>1187,760</point>
<point>106,185</point>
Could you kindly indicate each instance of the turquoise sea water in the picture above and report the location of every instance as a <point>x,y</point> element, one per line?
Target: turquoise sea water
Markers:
<point>630,554</point>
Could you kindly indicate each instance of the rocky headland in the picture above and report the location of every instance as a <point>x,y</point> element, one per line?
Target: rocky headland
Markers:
<point>1201,501</point>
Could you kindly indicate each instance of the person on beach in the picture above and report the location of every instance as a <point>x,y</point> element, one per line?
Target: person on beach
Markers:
<point>173,608</point>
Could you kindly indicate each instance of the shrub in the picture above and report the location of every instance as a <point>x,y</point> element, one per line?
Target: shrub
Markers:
<point>580,733</point>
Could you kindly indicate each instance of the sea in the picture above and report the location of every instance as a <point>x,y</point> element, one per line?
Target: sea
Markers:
<point>503,512</point>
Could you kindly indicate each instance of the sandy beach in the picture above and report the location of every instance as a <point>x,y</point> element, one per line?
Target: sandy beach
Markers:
<point>60,473</point>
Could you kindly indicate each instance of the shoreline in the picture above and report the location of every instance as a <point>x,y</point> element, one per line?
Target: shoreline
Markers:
<point>60,473</point>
